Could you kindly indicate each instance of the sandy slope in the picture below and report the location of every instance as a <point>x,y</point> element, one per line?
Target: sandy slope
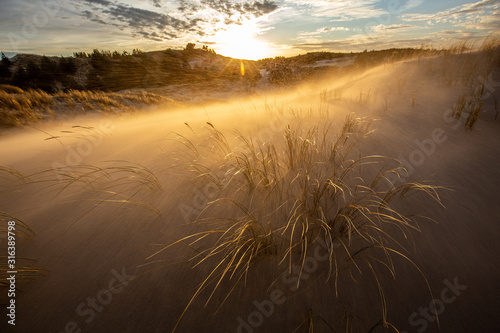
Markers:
<point>84,246</point>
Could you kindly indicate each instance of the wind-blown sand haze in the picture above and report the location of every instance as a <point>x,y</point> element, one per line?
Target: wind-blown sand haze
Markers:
<point>103,194</point>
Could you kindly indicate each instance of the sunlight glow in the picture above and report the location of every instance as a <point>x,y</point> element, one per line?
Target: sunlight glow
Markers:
<point>240,42</point>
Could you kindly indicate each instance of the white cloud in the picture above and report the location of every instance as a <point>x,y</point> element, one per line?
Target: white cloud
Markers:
<point>361,42</point>
<point>338,9</point>
<point>483,7</point>
<point>490,22</point>
<point>385,28</point>
<point>317,36</point>
<point>340,29</point>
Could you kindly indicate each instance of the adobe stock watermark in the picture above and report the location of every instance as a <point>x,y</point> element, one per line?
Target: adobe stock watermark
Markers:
<point>88,309</point>
<point>488,84</point>
<point>425,315</point>
<point>201,198</point>
<point>208,192</point>
<point>76,153</point>
<point>292,278</point>
<point>31,24</point>
<point>11,271</point>
<point>428,146</point>
<point>393,8</point>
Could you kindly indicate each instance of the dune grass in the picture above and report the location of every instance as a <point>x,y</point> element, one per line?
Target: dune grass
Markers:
<point>114,185</point>
<point>471,67</point>
<point>25,267</point>
<point>469,106</point>
<point>464,64</point>
<point>20,107</point>
<point>280,198</point>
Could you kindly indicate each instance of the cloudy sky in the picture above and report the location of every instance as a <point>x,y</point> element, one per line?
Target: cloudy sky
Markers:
<point>240,28</point>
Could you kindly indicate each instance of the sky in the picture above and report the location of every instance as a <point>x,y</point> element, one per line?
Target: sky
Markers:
<point>242,28</point>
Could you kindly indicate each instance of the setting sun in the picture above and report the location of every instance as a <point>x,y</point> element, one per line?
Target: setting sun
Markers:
<point>240,42</point>
<point>249,166</point>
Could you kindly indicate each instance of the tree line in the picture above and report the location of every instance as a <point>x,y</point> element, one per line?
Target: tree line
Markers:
<point>39,75</point>
<point>113,70</point>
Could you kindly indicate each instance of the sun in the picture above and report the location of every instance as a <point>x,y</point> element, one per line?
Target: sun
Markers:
<point>240,42</point>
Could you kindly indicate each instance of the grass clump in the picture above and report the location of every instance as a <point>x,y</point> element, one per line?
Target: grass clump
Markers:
<point>116,185</point>
<point>111,185</point>
<point>464,64</point>
<point>280,198</point>
<point>17,109</point>
<point>469,107</point>
<point>21,107</point>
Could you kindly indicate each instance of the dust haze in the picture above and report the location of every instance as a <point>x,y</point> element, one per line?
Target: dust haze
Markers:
<point>269,211</point>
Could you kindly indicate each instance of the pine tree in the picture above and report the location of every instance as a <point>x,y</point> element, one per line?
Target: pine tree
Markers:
<point>67,66</point>
<point>6,61</point>
<point>48,67</point>
<point>20,78</point>
<point>5,72</point>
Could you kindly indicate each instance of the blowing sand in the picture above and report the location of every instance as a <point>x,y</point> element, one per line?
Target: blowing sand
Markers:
<point>94,231</point>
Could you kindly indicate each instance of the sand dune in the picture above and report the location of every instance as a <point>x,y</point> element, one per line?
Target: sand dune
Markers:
<point>118,197</point>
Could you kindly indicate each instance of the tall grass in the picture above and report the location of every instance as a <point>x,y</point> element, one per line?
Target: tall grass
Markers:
<point>116,185</point>
<point>469,107</point>
<point>462,64</point>
<point>20,107</point>
<point>472,68</point>
<point>280,198</point>
<point>26,107</point>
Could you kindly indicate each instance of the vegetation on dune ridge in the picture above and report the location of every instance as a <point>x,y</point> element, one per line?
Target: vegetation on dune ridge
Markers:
<point>283,197</point>
<point>113,71</point>
<point>36,88</point>
<point>21,107</point>
<point>473,72</point>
